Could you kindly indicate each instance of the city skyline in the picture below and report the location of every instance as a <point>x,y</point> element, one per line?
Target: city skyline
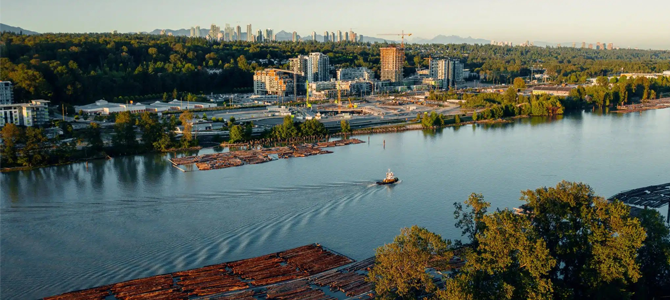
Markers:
<point>568,23</point>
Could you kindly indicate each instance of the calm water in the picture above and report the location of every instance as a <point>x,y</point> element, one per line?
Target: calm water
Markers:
<point>68,228</point>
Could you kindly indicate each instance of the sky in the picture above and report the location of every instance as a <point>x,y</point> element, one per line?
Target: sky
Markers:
<point>643,24</point>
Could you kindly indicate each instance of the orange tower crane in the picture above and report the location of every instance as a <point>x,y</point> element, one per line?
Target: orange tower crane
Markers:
<point>402,37</point>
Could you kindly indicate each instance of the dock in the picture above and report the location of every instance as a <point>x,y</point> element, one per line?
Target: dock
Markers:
<point>257,156</point>
<point>654,196</point>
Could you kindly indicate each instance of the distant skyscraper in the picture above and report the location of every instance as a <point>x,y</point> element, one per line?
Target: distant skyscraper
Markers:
<point>314,36</point>
<point>360,38</point>
<point>214,32</point>
<point>295,36</point>
<point>449,71</point>
<point>325,37</point>
<point>346,36</point>
<point>239,33</point>
<point>392,60</point>
<point>590,46</point>
<point>583,45</point>
<point>574,45</point>
<point>249,33</point>
<point>259,35</point>
<point>228,33</point>
<point>318,67</point>
<point>332,37</point>
<point>598,46</point>
<point>352,36</point>
<point>610,46</point>
<point>197,31</point>
<point>268,35</point>
<point>192,33</point>
<point>339,36</point>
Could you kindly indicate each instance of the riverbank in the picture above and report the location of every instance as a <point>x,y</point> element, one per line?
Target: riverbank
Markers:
<point>648,105</point>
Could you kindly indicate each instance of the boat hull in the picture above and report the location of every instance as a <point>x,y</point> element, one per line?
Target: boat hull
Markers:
<point>383,182</point>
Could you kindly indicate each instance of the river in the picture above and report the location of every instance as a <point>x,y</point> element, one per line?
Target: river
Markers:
<point>73,227</point>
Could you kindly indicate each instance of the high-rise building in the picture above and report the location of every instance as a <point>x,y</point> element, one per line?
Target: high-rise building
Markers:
<point>392,60</point>
<point>574,45</point>
<point>332,37</point>
<point>314,36</point>
<point>239,32</point>
<point>6,93</point>
<point>583,45</point>
<point>192,33</point>
<point>268,35</point>
<point>598,46</point>
<point>346,37</point>
<point>318,67</point>
<point>259,36</point>
<point>249,33</point>
<point>352,36</point>
<point>448,71</point>
<point>325,37</point>
<point>360,38</point>
<point>214,32</point>
<point>228,33</point>
<point>590,46</point>
<point>339,35</point>
<point>299,64</point>
<point>273,82</point>
<point>295,36</point>
<point>610,46</point>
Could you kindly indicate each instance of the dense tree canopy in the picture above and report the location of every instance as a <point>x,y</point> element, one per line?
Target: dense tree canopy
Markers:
<point>81,68</point>
<point>567,243</point>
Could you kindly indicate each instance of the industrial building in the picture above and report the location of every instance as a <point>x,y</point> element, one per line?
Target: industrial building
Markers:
<point>392,60</point>
<point>103,107</point>
<point>35,113</point>
<point>159,106</point>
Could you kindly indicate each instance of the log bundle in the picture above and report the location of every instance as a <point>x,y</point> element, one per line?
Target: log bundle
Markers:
<point>258,156</point>
<point>232,280</point>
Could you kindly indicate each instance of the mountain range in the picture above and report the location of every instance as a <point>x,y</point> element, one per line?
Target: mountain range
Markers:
<point>12,29</point>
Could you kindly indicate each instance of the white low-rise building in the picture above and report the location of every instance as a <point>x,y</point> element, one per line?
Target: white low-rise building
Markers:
<point>159,106</point>
<point>35,113</point>
<point>103,107</point>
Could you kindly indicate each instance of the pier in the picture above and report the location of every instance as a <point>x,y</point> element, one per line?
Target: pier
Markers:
<point>654,196</point>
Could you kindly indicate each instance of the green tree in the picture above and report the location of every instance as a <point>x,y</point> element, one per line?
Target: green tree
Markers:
<point>313,128</point>
<point>186,119</point>
<point>457,119</point>
<point>400,268</point>
<point>474,115</point>
<point>653,257</point>
<point>33,153</point>
<point>344,126</point>
<point>236,134</point>
<point>94,137</point>
<point>519,83</point>
<point>124,139</point>
<point>11,135</point>
<point>151,129</point>
<point>285,130</point>
<point>602,81</point>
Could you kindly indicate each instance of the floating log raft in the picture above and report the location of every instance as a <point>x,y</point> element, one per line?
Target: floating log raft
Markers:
<point>258,156</point>
<point>235,280</point>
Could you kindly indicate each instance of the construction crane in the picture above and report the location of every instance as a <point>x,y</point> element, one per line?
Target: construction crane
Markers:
<point>307,98</point>
<point>339,98</point>
<point>402,37</point>
<point>351,105</point>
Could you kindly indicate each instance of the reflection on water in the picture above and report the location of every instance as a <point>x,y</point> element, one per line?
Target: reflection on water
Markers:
<point>72,227</point>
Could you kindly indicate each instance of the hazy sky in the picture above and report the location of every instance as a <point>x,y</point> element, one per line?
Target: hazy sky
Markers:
<point>626,23</point>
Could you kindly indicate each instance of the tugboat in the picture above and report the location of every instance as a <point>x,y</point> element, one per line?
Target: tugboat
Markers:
<point>390,179</point>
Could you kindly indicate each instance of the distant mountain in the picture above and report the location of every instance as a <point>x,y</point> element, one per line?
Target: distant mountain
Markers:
<point>7,28</point>
<point>452,39</point>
